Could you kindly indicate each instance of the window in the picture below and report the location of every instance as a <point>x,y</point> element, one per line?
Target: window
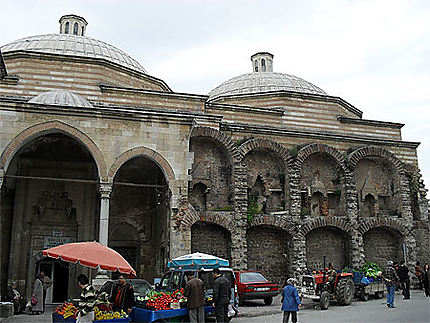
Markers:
<point>252,277</point>
<point>82,33</point>
<point>165,280</point>
<point>256,65</point>
<point>263,65</point>
<point>75,28</point>
<point>66,28</point>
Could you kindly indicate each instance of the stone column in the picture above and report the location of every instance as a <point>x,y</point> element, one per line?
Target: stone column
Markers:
<point>105,191</point>
<point>2,275</point>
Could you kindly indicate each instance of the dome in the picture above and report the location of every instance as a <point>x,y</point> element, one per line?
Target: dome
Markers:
<point>73,45</point>
<point>264,82</point>
<point>263,79</point>
<point>62,98</point>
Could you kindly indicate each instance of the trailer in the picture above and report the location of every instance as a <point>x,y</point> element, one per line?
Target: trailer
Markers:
<point>376,287</point>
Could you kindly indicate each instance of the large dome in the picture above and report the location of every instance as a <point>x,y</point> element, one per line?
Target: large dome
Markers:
<point>73,45</point>
<point>263,79</point>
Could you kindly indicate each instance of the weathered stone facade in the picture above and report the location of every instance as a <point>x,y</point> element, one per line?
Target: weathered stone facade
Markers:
<point>272,179</point>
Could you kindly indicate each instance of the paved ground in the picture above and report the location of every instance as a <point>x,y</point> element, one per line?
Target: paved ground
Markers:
<point>416,310</point>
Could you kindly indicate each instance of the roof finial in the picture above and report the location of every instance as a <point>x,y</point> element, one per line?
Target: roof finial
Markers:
<point>73,25</point>
<point>262,62</point>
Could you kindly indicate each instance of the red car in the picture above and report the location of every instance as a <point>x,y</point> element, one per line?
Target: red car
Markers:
<point>253,285</point>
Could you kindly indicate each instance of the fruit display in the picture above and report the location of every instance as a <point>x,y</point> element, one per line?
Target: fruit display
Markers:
<point>108,315</point>
<point>67,310</point>
<point>156,301</point>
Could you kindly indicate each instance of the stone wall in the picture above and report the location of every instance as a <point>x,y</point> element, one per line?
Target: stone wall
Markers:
<point>381,245</point>
<point>269,252</point>
<point>211,239</point>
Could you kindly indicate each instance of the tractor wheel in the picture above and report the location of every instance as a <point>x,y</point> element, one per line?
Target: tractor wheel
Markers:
<point>268,300</point>
<point>345,291</point>
<point>324,300</point>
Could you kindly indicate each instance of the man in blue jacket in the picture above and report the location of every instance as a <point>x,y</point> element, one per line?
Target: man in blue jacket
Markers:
<point>290,301</point>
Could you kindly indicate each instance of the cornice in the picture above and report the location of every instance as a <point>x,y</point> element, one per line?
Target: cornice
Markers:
<point>367,122</point>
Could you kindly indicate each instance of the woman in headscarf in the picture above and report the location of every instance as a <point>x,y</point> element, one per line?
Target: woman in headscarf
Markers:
<point>37,296</point>
<point>290,301</point>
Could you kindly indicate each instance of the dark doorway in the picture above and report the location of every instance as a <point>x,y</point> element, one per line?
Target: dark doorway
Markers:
<point>60,283</point>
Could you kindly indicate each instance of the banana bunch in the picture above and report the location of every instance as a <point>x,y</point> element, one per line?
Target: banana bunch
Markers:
<point>108,315</point>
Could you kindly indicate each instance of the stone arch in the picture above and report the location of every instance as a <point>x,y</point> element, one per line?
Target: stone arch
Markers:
<point>211,238</point>
<point>145,152</point>
<point>51,127</point>
<point>390,223</point>
<point>273,221</point>
<point>311,149</point>
<point>191,215</point>
<point>373,151</point>
<point>222,138</point>
<point>252,144</point>
<point>326,222</point>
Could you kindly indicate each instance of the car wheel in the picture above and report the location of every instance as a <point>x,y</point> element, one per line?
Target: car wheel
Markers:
<point>380,294</point>
<point>268,300</point>
<point>324,300</point>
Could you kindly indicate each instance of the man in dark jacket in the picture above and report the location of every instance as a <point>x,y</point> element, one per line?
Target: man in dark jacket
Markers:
<point>403,274</point>
<point>15,297</point>
<point>391,280</point>
<point>122,296</point>
<point>221,296</point>
<point>195,292</point>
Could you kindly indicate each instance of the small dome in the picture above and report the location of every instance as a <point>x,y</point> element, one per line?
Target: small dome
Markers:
<point>264,82</point>
<point>62,98</point>
<point>73,45</point>
<point>263,79</point>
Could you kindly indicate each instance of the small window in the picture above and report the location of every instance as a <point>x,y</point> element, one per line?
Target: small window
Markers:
<point>82,31</point>
<point>263,65</point>
<point>66,28</point>
<point>256,65</point>
<point>75,28</point>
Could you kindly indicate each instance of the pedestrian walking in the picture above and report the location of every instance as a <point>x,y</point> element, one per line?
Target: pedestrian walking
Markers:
<point>47,282</point>
<point>195,293</point>
<point>419,275</point>
<point>426,280</point>
<point>391,281</point>
<point>37,296</point>
<point>405,282</point>
<point>221,296</point>
<point>86,303</point>
<point>122,296</point>
<point>290,301</point>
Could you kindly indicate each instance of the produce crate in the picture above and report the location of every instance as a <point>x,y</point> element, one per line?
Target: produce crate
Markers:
<point>125,319</point>
<point>57,318</point>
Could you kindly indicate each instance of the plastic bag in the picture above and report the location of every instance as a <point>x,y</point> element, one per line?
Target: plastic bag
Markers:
<point>231,312</point>
<point>34,300</point>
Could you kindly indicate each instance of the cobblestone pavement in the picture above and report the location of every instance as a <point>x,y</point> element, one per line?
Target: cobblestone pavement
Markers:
<point>416,310</point>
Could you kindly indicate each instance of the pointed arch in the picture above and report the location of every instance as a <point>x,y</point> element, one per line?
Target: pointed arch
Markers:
<point>49,127</point>
<point>222,138</point>
<point>257,143</point>
<point>394,224</point>
<point>144,152</point>
<point>275,222</point>
<point>311,149</point>
<point>373,151</point>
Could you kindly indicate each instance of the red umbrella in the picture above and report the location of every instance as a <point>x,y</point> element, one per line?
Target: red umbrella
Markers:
<point>91,254</point>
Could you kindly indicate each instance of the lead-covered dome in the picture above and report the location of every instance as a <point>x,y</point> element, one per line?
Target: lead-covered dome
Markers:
<point>263,79</point>
<point>73,45</point>
<point>61,98</point>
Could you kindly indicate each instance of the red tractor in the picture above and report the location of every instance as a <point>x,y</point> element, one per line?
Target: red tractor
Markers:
<point>322,288</point>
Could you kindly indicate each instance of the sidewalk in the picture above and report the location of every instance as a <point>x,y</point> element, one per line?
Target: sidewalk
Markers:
<point>28,317</point>
<point>257,307</point>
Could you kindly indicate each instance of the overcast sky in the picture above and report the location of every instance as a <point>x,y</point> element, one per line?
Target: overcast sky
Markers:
<point>373,54</point>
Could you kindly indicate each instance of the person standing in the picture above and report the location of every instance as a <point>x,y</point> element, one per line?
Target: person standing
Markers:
<point>426,280</point>
<point>405,282</point>
<point>122,296</point>
<point>290,301</point>
<point>37,296</point>
<point>195,292</point>
<point>221,296</point>
<point>419,275</point>
<point>86,303</point>
<point>47,282</point>
<point>391,280</point>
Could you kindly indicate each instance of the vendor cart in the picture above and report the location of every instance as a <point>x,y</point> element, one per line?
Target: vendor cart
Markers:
<point>374,287</point>
<point>142,315</point>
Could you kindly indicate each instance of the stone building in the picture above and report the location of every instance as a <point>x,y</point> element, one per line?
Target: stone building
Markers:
<point>267,170</point>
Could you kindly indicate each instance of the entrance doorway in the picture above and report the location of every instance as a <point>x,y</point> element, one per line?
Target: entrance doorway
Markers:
<point>59,274</point>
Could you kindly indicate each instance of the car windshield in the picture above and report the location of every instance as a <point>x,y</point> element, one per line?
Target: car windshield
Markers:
<point>141,288</point>
<point>252,277</point>
<point>208,279</point>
